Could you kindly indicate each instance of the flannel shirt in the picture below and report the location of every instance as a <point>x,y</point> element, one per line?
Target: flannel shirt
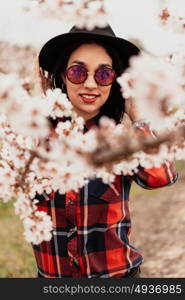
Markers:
<point>91,227</point>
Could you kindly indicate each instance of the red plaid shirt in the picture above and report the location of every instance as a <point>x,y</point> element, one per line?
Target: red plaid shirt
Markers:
<point>91,228</point>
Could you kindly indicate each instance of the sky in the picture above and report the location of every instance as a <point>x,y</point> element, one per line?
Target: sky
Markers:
<point>128,18</point>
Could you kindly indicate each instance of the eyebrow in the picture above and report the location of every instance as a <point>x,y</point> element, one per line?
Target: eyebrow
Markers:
<point>83,64</point>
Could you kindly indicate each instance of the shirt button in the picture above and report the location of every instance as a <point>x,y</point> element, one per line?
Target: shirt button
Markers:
<point>71,230</point>
<point>76,263</point>
<point>70,202</point>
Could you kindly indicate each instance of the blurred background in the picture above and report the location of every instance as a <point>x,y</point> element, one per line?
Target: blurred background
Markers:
<point>158,216</point>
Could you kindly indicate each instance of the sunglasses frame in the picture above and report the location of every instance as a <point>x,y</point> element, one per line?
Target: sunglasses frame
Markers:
<point>88,73</point>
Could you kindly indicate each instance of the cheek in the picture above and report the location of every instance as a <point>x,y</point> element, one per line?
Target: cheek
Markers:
<point>72,90</point>
<point>106,92</point>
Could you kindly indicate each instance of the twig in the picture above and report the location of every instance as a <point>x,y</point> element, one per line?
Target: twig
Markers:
<point>106,154</point>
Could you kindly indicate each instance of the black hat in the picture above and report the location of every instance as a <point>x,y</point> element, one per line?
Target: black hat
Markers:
<point>52,49</point>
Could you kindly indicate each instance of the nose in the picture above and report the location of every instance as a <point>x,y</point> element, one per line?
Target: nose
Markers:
<point>90,82</point>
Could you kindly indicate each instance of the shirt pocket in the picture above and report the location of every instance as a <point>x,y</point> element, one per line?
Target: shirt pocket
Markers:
<point>104,204</point>
<point>100,192</point>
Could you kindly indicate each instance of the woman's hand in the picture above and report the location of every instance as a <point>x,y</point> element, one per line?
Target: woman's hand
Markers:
<point>42,79</point>
<point>132,110</point>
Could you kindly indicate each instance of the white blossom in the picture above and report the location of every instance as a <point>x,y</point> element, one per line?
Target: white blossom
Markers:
<point>84,13</point>
<point>173,19</point>
<point>158,92</point>
<point>60,106</point>
<point>38,228</point>
<point>7,180</point>
<point>106,177</point>
<point>35,160</point>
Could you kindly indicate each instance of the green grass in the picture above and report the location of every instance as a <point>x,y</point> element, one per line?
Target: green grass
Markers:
<point>16,256</point>
<point>180,165</point>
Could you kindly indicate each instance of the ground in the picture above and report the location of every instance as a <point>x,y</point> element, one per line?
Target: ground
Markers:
<point>158,222</point>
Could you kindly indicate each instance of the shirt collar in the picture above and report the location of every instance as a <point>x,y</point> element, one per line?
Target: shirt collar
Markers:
<point>91,123</point>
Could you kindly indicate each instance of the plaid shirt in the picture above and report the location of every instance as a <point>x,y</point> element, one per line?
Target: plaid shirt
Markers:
<point>91,228</point>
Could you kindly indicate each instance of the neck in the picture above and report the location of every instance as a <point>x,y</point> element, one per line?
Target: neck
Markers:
<point>86,116</point>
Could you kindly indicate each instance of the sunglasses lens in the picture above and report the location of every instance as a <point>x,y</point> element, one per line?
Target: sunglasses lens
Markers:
<point>76,74</point>
<point>105,76</point>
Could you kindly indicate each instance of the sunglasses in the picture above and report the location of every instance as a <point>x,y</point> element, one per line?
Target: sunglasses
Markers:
<point>78,74</point>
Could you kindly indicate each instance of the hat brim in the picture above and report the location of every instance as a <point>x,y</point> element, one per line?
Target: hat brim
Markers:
<point>50,52</point>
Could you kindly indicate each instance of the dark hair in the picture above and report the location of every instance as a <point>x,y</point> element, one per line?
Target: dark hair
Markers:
<point>114,107</point>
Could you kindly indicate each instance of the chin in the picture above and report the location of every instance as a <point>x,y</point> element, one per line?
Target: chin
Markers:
<point>92,111</point>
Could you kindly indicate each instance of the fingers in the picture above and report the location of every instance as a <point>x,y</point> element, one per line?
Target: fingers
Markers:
<point>132,109</point>
<point>128,106</point>
<point>126,121</point>
<point>43,79</point>
<point>38,81</point>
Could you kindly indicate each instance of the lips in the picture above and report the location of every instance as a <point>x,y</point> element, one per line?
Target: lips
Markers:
<point>89,98</point>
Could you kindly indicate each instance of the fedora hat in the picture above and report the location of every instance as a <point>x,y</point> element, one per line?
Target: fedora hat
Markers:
<point>52,49</point>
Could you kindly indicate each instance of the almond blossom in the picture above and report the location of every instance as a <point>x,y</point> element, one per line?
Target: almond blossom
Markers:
<point>59,105</point>
<point>158,92</point>
<point>172,20</point>
<point>15,101</point>
<point>36,159</point>
<point>63,160</point>
<point>84,13</point>
<point>37,164</point>
<point>38,228</point>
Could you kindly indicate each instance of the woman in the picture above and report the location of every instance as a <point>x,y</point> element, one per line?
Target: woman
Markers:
<point>91,227</point>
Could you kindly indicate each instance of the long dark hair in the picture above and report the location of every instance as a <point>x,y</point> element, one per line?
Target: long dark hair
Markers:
<point>114,107</point>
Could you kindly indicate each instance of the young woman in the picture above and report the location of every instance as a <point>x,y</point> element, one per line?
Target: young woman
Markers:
<point>91,228</point>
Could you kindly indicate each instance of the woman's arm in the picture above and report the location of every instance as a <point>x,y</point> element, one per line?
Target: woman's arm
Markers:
<point>153,178</point>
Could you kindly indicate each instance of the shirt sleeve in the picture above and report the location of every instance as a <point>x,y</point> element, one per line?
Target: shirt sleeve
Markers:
<point>155,177</point>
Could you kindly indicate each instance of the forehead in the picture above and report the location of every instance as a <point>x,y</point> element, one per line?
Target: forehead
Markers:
<point>90,53</point>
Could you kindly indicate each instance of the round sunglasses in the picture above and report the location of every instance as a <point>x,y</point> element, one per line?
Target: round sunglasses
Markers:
<point>78,74</point>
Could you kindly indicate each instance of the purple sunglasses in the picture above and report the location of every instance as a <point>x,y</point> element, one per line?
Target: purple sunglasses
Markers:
<point>78,74</point>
